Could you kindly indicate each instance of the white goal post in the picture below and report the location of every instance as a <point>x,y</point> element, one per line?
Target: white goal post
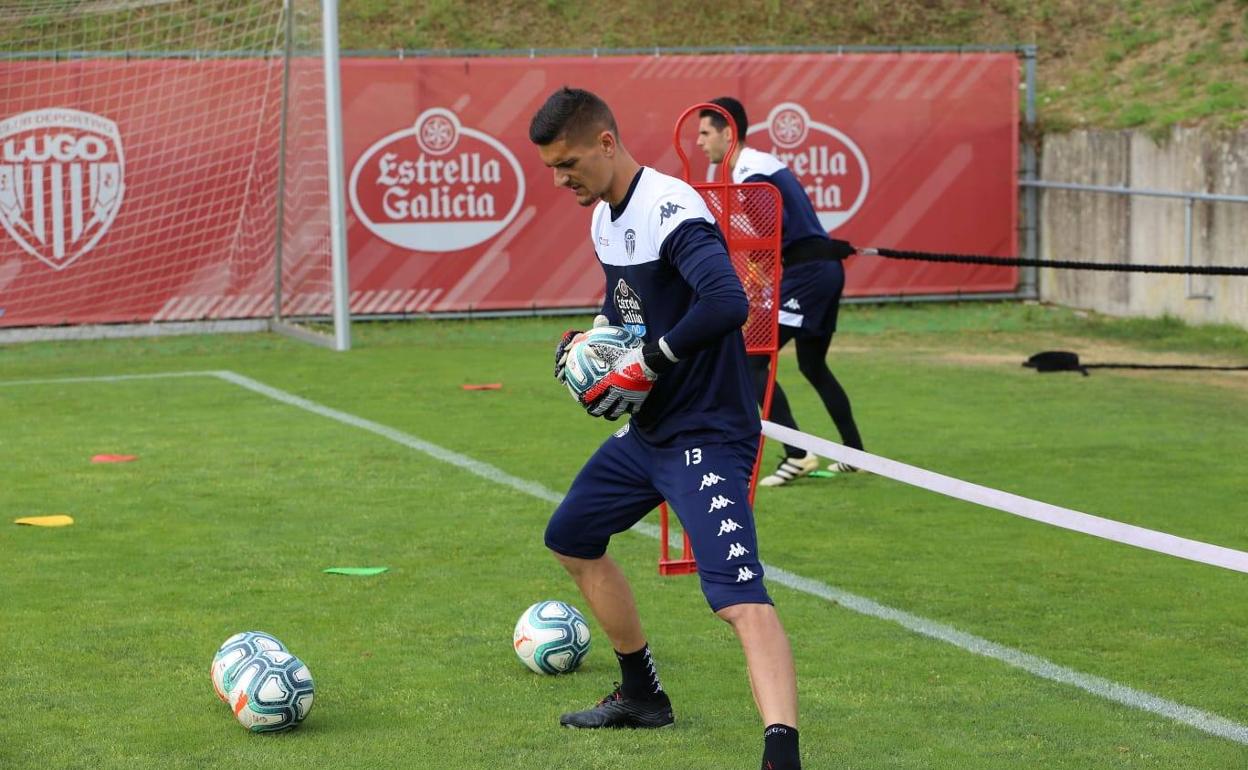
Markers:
<point>170,166</point>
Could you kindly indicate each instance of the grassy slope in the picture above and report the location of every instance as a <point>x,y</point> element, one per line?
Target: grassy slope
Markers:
<point>237,503</point>
<point>1105,63</point>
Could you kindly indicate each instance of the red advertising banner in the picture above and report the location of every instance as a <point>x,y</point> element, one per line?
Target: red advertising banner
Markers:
<point>138,191</point>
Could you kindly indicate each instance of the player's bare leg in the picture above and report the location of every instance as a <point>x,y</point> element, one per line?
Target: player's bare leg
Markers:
<point>769,658</point>
<point>773,678</point>
<point>610,598</point>
<point>639,701</point>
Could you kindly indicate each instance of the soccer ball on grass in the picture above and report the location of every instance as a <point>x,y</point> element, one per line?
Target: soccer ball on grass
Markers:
<point>551,637</point>
<point>233,653</point>
<point>272,692</point>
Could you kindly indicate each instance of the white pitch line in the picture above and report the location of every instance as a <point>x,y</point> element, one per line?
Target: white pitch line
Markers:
<point>1105,688</point>
<point>1118,693</point>
<point>477,467</point>
<point>112,378</point>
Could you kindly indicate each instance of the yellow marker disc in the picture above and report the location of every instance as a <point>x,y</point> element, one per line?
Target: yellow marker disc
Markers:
<point>58,520</point>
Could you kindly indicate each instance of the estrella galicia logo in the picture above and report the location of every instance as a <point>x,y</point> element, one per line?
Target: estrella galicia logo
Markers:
<point>629,306</point>
<point>667,210</point>
<point>828,163</point>
<point>830,166</point>
<point>630,241</point>
<point>437,185</point>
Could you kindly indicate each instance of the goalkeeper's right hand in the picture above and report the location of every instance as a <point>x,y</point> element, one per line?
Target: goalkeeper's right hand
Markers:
<point>569,337</point>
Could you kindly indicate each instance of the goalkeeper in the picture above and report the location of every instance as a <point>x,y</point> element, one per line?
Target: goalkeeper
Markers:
<point>694,426</point>
<point>810,291</point>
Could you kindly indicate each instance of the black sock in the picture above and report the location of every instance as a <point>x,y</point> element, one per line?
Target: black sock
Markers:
<point>780,748</point>
<point>639,678</point>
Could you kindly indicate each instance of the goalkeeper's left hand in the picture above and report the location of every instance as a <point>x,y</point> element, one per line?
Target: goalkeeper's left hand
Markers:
<point>625,388</point>
<point>571,337</point>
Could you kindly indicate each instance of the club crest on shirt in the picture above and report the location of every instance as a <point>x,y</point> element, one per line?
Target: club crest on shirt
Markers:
<point>630,242</point>
<point>628,304</point>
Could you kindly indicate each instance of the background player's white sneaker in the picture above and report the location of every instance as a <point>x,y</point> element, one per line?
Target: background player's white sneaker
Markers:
<point>840,467</point>
<point>790,468</point>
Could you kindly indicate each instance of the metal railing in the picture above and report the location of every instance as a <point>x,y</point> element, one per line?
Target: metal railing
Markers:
<point>1188,198</point>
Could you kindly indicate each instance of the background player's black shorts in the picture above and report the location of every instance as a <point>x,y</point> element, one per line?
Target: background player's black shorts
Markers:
<point>810,297</point>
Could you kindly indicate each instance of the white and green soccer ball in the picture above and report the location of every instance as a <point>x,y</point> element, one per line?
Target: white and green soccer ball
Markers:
<point>594,355</point>
<point>272,692</point>
<point>551,637</point>
<point>233,653</point>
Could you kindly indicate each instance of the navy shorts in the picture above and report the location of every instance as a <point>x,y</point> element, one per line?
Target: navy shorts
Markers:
<point>706,485</point>
<point>810,297</point>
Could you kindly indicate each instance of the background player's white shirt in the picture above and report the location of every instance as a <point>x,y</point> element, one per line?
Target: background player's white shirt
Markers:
<point>799,218</point>
<point>752,162</point>
<point>658,205</point>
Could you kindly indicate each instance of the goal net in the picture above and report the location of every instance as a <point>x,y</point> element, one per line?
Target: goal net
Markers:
<point>162,161</point>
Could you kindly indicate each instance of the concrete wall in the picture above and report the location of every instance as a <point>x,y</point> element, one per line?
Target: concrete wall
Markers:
<point>1100,227</point>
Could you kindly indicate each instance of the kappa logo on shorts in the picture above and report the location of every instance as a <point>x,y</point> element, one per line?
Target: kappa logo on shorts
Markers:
<point>710,480</point>
<point>736,551</point>
<point>718,502</point>
<point>728,526</point>
<point>744,574</point>
<point>792,304</point>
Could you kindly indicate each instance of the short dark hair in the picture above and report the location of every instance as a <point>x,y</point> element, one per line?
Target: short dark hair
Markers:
<point>570,112</point>
<point>733,108</point>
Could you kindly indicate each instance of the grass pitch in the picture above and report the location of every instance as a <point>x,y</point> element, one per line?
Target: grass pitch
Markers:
<point>238,501</point>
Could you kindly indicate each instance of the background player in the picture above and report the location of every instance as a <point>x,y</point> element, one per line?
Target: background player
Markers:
<point>810,290</point>
<point>694,430</point>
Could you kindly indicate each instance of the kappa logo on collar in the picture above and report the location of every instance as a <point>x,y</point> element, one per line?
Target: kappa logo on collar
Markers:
<point>668,209</point>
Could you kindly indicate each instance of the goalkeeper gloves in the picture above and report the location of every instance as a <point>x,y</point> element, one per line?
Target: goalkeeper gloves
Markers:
<point>624,389</point>
<point>569,337</point>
